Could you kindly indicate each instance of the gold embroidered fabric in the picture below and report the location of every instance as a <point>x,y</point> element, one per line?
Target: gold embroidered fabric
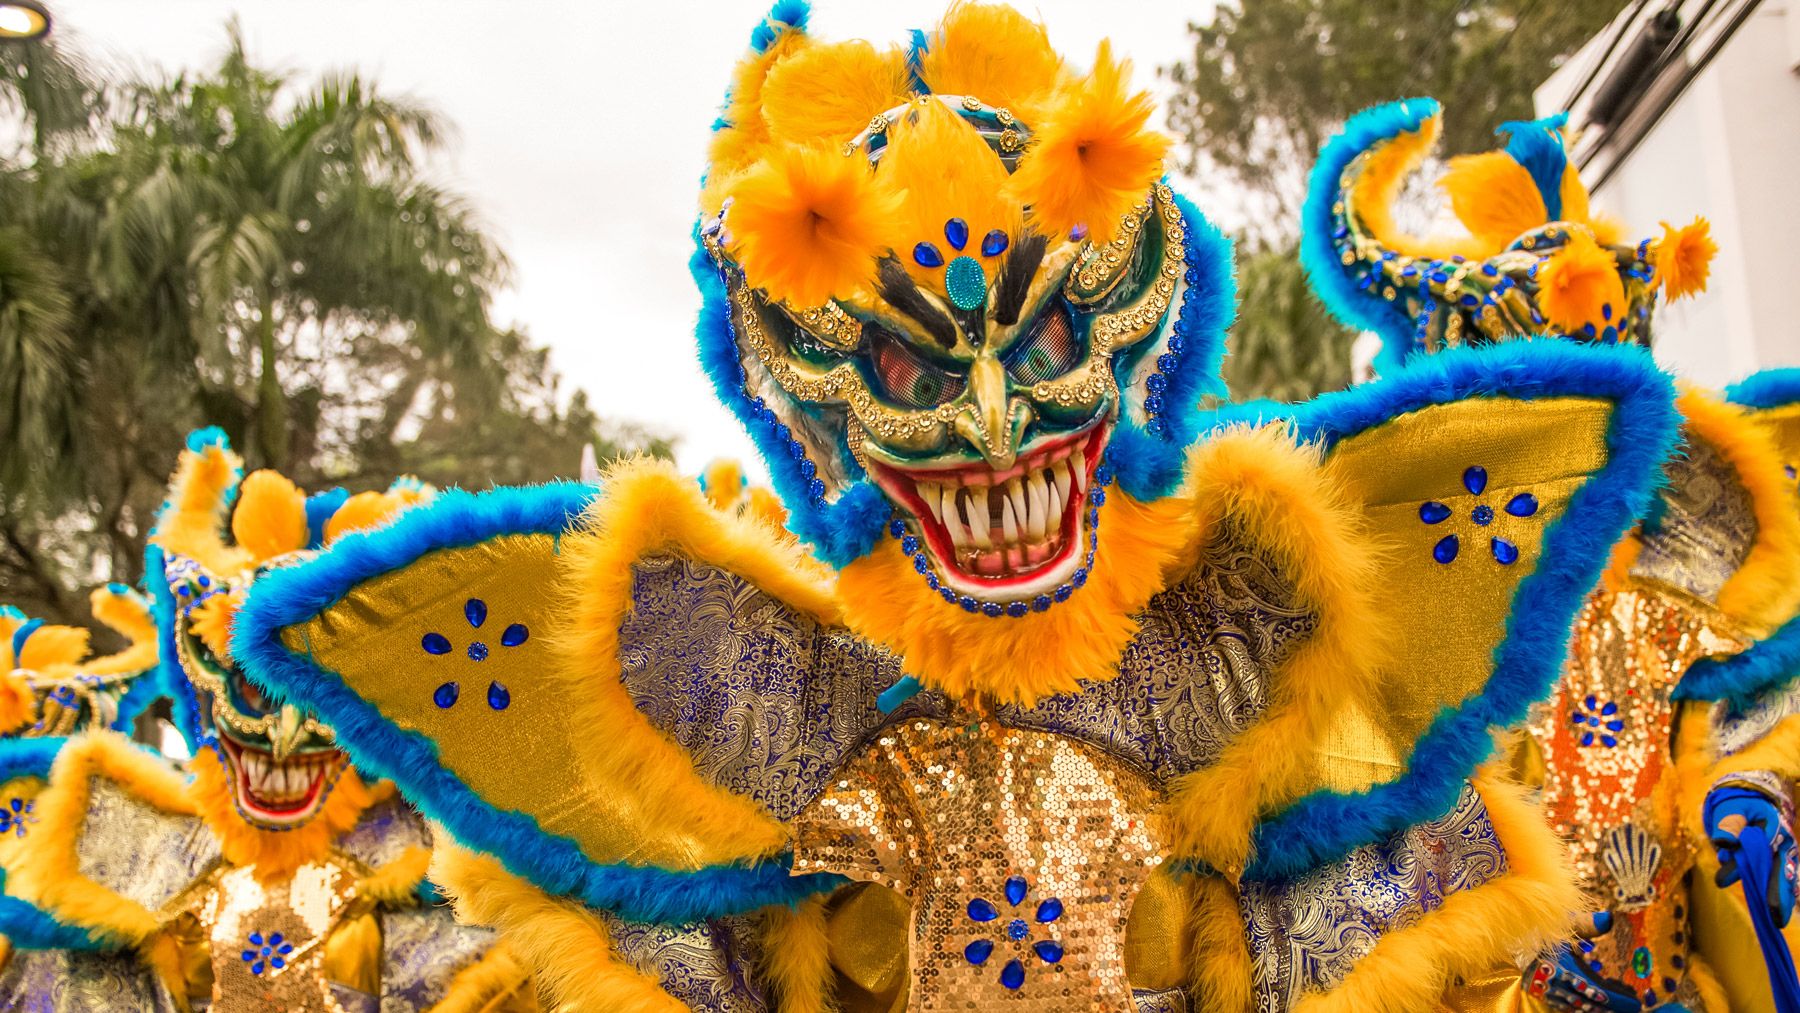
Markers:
<point>138,851</point>
<point>1707,526</point>
<point>1021,854</point>
<point>1607,737</point>
<point>704,965</point>
<point>69,981</point>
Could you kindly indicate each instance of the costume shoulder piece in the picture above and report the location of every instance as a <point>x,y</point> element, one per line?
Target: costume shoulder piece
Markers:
<point>1055,666</point>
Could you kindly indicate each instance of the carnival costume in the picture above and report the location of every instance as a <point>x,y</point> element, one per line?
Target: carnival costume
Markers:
<point>1626,767</point>
<point>51,688</point>
<point>274,878</point>
<point>1073,703</point>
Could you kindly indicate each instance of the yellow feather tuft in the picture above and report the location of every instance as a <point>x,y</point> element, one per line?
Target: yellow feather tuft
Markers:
<point>937,168</point>
<point>1376,184</point>
<point>211,621</point>
<point>274,854</point>
<point>1683,258</point>
<point>829,93</point>
<point>497,983</point>
<point>1494,198</point>
<point>996,54</point>
<point>723,481</point>
<point>18,705</point>
<point>764,507</point>
<point>1578,283</point>
<point>270,519</point>
<point>396,884</point>
<point>53,647</point>
<point>806,224</point>
<point>361,512</point>
<point>745,139</point>
<point>192,523</point>
<point>1220,971</point>
<point>796,956</point>
<point>1093,157</point>
<point>125,612</point>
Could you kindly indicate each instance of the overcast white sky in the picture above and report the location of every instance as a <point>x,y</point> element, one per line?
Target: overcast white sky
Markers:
<point>581,132</point>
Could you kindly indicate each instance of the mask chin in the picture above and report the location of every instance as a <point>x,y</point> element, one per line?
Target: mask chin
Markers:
<point>279,794</point>
<point>1010,534</point>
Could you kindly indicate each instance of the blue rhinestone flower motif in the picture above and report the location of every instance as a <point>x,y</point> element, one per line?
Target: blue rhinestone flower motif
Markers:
<point>267,952</point>
<point>1597,720</point>
<point>965,280</point>
<point>476,612</point>
<point>15,814</point>
<point>1015,931</point>
<point>1475,480</point>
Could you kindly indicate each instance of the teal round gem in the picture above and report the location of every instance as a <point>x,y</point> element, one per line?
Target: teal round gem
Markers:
<point>966,283</point>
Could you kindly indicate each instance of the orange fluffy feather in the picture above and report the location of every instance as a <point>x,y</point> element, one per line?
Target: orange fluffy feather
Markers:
<point>1094,156</point>
<point>361,512</point>
<point>829,93</point>
<point>53,647</point>
<point>18,705</point>
<point>1494,198</point>
<point>1578,283</point>
<point>270,519</point>
<point>936,168</point>
<point>806,224</point>
<point>995,54</point>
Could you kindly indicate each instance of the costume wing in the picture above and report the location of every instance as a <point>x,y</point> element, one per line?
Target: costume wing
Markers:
<point>1493,483</point>
<point>622,701</point>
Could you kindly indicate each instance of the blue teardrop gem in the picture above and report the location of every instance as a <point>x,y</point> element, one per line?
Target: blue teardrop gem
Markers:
<point>476,611</point>
<point>446,694</point>
<point>1505,552</point>
<point>1049,951</point>
<point>1475,479</point>
<point>515,635</point>
<point>1522,505</point>
<point>978,951</point>
<point>1433,512</point>
<point>1610,709</point>
<point>927,255</point>
<point>966,283</point>
<point>1050,910</point>
<point>435,643</point>
<point>993,244</point>
<point>1013,974</point>
<point>1015,890</point>
<point>256,939</point>
<point>957,232</point>
<point>982,911</point>
<point>1445,550</point>
<point>498,697</point>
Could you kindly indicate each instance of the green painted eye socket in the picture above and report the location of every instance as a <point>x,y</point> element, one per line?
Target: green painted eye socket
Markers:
<point>1048,351</point>
<point>907,379</point>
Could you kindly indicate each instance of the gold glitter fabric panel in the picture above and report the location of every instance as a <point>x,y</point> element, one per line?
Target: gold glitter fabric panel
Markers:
<point>1460,496</point>
<point>866,927</point>
<point>270,942</point>
<point>764,699</point>
<point>1195,675</point>
<point>704,966</point>
<point>138,851</point>
<point>421,950</point>
<point>1707,525</point>
<point>1610,791</point>
<point>1308,934</point>
<point>67,981</point>
<point>1020,852</point>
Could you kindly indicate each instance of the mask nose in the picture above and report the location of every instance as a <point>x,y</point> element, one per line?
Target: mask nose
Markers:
<point>993,424</point>
<point>285,734</point>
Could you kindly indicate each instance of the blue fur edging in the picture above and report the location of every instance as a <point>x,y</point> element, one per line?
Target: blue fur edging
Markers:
<point>553,863</point>
<point>1740,679</point>
<point>1319,254</point>
<point>1641,433</point>
<point>1771,388</point>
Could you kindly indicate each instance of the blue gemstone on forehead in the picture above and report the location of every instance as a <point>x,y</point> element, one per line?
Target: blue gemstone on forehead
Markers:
<point>956,231</point>
<point>1050,910</point>
<point>1048,950</point>
<point>1482,515</point>
<point>435,643</point>
<point>993,244</point>
<point>965,282</point>
<point>476,611</point>
<point>515,635</point>
<point>927,255</point>
<point>1015,890</point>
<point>1017,929</point>
<point>498,696</point>
<point>446,695</point>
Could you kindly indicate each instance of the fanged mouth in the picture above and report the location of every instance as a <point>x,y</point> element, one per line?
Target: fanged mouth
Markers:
<point>281,791</point>
<point>1016,531</point>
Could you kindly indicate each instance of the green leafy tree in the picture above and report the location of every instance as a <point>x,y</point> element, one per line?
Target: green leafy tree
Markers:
<point>1284,346</point>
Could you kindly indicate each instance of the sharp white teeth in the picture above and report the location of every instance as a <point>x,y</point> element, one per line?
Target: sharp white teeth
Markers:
<point>1015,494</point>
<point>1060,477</point>
<point>978,519</point>
<point>1078,468</point>
<point>1039,515</point>
<point>933,495</point>
<point>1009,523</point>
<point>1053,490</point>
<point>947,513</point>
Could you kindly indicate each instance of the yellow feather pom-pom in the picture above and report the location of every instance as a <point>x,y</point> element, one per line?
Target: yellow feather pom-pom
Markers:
<point>211,622</point>
<point>995,54</point>
<point>1494,198</point>
<point>763,505</point>
<point>829,93</point>
<point>270,519</point>
<point>806,224</point>
<point>723,482</point>
<point>361,512</point>
<point>18,706</point>
<point>746,139</point>
<point>936,168</point>
<point>1578,283</point>
<point>53,647</point>
<point>1683,258</point>
<point>125,611</point>
<point>1094,157</point>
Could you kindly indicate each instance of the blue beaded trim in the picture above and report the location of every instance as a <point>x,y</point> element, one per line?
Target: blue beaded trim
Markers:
<point>1186,321</point>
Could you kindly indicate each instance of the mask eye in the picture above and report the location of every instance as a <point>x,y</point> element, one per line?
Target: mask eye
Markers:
<point>248,698</point>
<point>909,380</point>
<point>1049,351</point>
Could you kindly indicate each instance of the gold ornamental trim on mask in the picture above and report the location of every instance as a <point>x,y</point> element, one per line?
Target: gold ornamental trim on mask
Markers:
<point>204,676</point>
